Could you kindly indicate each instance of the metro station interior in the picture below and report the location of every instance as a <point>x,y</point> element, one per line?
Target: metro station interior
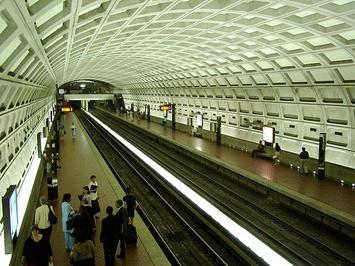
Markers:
<point>180,90</point>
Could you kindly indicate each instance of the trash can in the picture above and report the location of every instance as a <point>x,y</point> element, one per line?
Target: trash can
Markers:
<point>52,189</point>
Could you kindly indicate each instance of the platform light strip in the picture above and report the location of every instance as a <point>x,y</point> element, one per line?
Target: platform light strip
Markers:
<point>258,247</point>
<point>23,197</point>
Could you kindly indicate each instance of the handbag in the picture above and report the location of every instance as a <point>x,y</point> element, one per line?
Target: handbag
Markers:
<point>51,216</point>
<point>70,221</point>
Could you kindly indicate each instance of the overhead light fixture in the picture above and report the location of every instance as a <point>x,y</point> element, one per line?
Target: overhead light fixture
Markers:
<point>82,85</point>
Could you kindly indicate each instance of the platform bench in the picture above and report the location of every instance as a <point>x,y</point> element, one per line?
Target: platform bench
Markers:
<point>265,155</point>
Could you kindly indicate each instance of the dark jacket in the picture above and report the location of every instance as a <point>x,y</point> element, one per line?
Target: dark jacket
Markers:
<point>84,223</point>
<point>122,221</point>
<point>304,155</point>
<point>109,229</point>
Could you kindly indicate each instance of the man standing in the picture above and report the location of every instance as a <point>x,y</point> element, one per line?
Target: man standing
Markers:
<point>276,156</point>
<point>42,218</point>
<point>304,157</point>
<point>122,226</point>
<point>109,236</point>
<point>130,204</point>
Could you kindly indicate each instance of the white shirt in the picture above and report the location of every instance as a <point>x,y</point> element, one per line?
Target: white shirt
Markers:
<point>41,217</point>
<point>86,200</point>
<point>93,190</point>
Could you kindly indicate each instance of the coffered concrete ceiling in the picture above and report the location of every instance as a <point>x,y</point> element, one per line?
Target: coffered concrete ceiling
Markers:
<point>134,43</point>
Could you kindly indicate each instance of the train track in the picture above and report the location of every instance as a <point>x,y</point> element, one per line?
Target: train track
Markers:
<point>184,236</point>
<point>280,228</point>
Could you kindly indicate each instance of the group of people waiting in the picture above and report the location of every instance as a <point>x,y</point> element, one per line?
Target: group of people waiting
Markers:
<point>304,155</point>
<point>79,229</point>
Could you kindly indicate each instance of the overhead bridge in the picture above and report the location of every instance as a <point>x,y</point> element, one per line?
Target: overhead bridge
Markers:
<point>88,97</point>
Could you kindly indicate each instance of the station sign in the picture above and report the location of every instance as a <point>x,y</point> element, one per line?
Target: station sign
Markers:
<point>67,109</point>
<point>165,107</point>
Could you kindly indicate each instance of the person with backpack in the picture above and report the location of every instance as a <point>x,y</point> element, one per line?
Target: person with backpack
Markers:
<point>304,158</point>
<point>67,215</point>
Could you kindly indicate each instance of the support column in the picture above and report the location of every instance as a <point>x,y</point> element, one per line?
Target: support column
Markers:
<point>39,145</point>
<point>321,156</point>
<point>173,116</point>
<point>218,131</point>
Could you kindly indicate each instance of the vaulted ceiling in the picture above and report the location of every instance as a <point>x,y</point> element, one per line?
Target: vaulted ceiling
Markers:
<point>171,43</point>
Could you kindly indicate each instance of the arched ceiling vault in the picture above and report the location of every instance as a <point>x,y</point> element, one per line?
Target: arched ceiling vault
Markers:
<point>152,43</point>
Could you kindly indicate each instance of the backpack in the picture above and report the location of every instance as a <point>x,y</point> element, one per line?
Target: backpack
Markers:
<point>51,216</point>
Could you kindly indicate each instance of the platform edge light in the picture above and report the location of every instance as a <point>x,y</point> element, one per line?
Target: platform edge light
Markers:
<point>258,247</point>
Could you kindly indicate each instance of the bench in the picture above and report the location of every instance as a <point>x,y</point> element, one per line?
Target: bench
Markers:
<point>197,132</point>
<point>265,155</point>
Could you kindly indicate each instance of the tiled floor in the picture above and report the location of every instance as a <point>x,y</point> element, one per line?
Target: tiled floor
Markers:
<point>329,193</point>
<point>79,160</point>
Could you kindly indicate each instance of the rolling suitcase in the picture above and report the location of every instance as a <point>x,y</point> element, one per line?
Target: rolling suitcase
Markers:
<point>131,237</point>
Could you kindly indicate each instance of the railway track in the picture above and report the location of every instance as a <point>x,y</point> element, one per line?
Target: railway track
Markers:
<point>184,236</point>
<point>278,227</point>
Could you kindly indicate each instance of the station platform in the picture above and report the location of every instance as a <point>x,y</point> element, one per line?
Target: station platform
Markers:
<point>326,196</point>
<point>79,159</point>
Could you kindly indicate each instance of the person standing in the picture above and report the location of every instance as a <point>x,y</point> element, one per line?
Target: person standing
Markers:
<point>73,130</point>
<point>93,195</point>
<point>276,156</point>
<point>108,236</point>
<point>83,253</point>
<point>122,227</point>
<point>37,249</point>
<point>42,218</point>
<point>130,203</point>
<point>85,198</point>
<point>304,158</point>
<point>83,222</point>
<point>67,213</point>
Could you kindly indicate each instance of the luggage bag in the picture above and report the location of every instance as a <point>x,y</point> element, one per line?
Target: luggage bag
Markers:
<point>131,237</point>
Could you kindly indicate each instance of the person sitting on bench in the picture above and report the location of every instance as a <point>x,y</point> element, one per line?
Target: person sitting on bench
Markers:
<point>259,149</point>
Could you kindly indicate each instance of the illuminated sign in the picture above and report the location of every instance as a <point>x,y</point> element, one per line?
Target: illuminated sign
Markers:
<point>199,120</point>
<point>165,107</point>
<point>269,134</point>
<point>9,205</point>
<point>67,109</point>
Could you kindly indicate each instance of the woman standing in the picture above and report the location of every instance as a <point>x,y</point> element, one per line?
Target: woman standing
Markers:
<point>83,222</point>
<point>67,213</point>
<point>37,249</point>
<point>93,195</point>
<point>83,253</point>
